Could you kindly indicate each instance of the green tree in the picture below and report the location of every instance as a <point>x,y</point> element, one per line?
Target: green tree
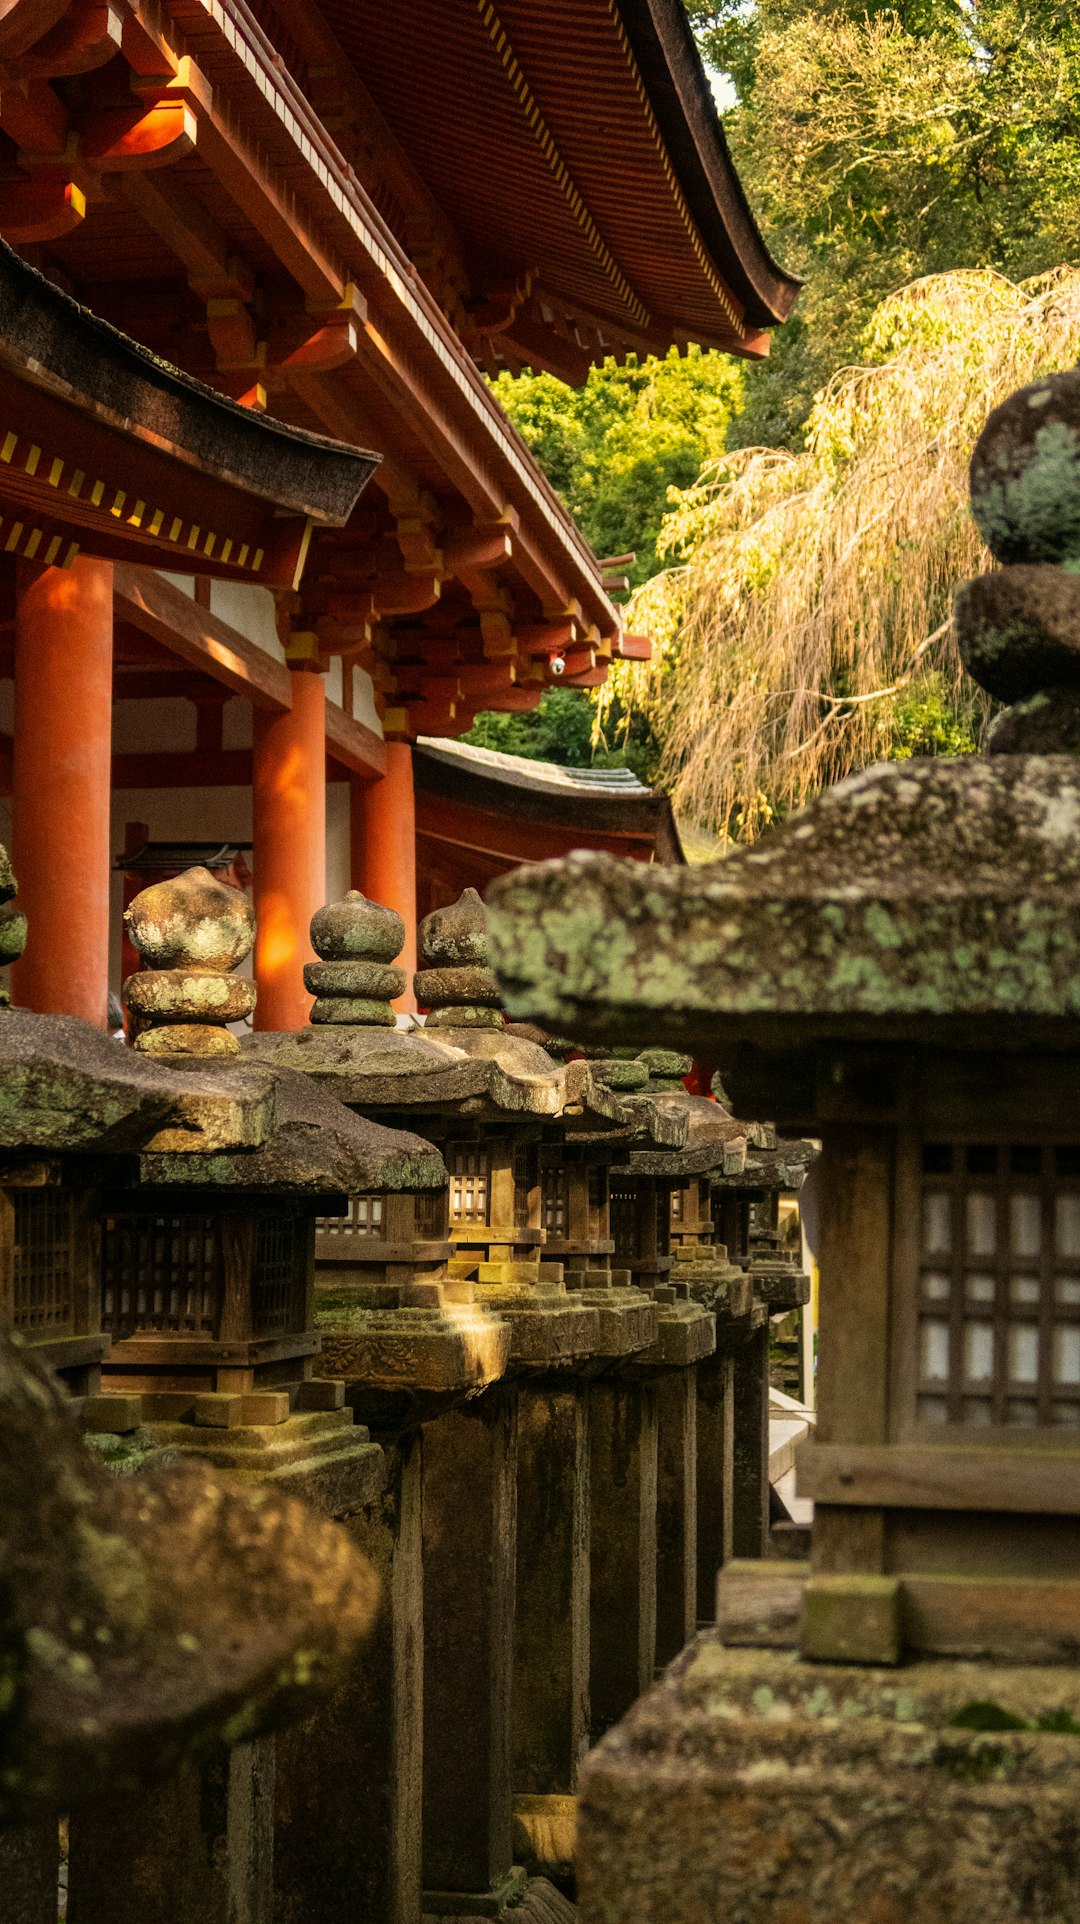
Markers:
<point>614,448</point>
<point>614,451</point>
<point>880,143</point>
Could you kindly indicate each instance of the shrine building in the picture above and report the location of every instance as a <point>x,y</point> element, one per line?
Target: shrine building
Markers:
<point>276,253</point>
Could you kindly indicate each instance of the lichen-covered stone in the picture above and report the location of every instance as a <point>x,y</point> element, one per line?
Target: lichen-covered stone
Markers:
<point>928,889</point>
<point>189,995</point>
<point>190,932</point>
<point>355,980</point>
<point>316,1146</point>
<point>1019,630</point>
<point>377,980</point>
<point>175,1040</point>
<point>753,1787</point>
<point>455,937</point>
<point>437,987</point>
<point>356,929</point>
<point>65,1085</point>
<point>352,1011</point>
<point>12,934</point>
<point>191,922</point>
<point>713,1142</point>
<point>1046,724</point>
<point>144,1616</point>
<point>1025,473</point>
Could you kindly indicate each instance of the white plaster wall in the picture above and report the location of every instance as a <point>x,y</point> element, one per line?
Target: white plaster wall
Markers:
<point>337,840</point>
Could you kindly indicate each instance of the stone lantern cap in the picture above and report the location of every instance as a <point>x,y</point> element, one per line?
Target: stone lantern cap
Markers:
<point>66,1086</point>
<point>316,1147</point>
<point>145,1617</point>
<point>919,898</point>
<point>783,1164</point>
<point>714,1141</point>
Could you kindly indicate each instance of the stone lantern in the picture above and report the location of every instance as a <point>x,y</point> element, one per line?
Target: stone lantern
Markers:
<point>895,969</point>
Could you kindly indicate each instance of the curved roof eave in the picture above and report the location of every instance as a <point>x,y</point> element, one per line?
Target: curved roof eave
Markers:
<point>663,45</point>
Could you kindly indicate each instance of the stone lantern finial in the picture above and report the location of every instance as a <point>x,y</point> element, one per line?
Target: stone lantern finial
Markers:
<point>455,983</point>
<point>190,932</point>
<point>1019,627</point>
<point>355,979</point>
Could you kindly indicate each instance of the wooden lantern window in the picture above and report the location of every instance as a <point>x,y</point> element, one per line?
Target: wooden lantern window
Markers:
<point>44,1263</point>
<point>164,1275</point>
<point>555,1200</point>
<point>365,1217</point>
<point>469,1164</point>
<point>278,1287</point>
<point>431,1215</point>
<point>598,1200</point>
<point>998,1286</point>
<point>526,1177</point>
<point>624,1218</point>
<point>663,1200</point>
<point>678,1210</point>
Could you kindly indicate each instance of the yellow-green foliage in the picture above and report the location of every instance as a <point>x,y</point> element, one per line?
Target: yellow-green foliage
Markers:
<point>803,625</point>
<point>613,448</point>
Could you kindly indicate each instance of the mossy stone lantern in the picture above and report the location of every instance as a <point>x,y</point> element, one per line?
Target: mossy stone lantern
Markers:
<point>896,970</point>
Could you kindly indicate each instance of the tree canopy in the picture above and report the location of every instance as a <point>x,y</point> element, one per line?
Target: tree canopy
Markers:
<point>879,143</point>
<point>931,146</point>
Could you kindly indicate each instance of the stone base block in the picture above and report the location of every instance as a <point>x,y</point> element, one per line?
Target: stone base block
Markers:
<point>685,1334</point>
<point>434,1350</point>
<point>626,1320</point>
<point>549,1328</point>
<point>545,1834</point>
<point>322,1456</point>
<point>752,1787</point>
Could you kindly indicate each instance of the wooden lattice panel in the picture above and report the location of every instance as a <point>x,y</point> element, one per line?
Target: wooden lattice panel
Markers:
<point>469,1164</point>
<point>999,1286</point>
<point>160,1274</point>
<point>554,1200</point>
<point>44,1263</point>
<point>366,1217</point>
<point>278,1285</point>
<point>624,1219</point>
<point>431,1215</point>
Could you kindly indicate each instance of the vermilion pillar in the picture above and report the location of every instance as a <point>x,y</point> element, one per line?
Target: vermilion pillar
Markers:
<point>383,837</point>
<point>289,848</point>
<point>61,782</point>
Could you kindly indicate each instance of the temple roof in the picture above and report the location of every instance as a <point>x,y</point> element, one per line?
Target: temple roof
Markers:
<point>576,150</point>
<point>579,802</point>
<point>916,898</point>
<point>112,450</point>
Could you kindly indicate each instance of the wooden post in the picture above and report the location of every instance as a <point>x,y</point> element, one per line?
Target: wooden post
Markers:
<point>470,1517</point>
<point>200,1845</point>
<point>383,832</point>
<point>623,1563</point>
<point>750,1520</point>
<point>715,1474</point>
<point>676,1511</point>
<point>349,1781</point>
<point>551,1649</point>
<point>289,838</point>
<point>29,1866</point>
<point>61,785</point>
